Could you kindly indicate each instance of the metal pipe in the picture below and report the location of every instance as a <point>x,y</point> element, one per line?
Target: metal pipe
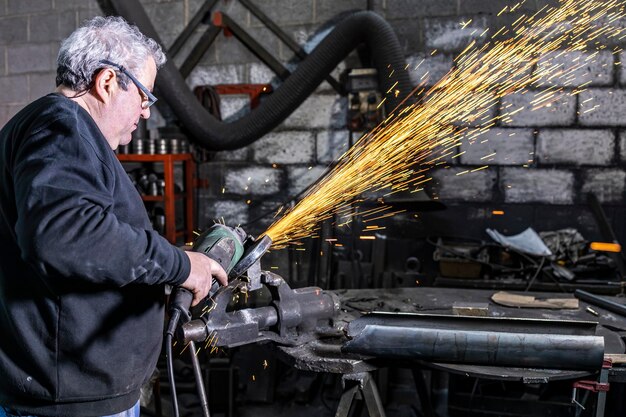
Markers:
<point>223,20</point>
<point>609,305</point>
<point>198,51</point>
<point>479,347</point>
<point>188,31</point>
<point>287,40</point>
<point>197,372</point>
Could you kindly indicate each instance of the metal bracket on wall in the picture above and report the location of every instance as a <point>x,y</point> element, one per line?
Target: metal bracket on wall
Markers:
<point>287,40</point>
<point>222,20</point>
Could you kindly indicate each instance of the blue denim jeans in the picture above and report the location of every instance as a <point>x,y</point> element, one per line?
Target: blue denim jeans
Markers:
<point>131,412</point>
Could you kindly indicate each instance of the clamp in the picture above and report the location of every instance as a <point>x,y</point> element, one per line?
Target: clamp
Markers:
<point>601,387</point>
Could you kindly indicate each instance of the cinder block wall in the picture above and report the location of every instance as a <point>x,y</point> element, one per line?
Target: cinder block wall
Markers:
<point>547,158</point>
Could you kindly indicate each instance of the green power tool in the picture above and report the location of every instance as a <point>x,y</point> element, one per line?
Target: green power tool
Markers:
<point>224,245</point>
<point>233,249</point>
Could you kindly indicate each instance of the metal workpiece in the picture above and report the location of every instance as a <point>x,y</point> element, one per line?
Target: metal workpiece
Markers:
<point>479,347</point>
<point>605,303</point>
<point>293,316</point>
<point>250,256</point>
<point>478,323</point>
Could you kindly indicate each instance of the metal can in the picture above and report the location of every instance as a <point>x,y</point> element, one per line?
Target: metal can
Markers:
<point>150,146</point>
<point>138,147</point>
<point>174,145</point>
<point>184,146</point>
<point>162,146</point>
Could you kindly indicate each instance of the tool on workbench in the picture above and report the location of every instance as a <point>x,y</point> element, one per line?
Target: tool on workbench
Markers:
<point>225,245</point>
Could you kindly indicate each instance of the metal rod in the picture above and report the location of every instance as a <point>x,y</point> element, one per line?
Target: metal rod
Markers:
<point>191,26</point>
<point>495,324</point>
<point>198,51</point>
<point>223,20</point>
<point>197,371</point>
<point>287,40</point>
<point>601,302</point>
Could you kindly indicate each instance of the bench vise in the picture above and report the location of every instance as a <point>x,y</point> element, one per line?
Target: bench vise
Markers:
<point>292,317</point>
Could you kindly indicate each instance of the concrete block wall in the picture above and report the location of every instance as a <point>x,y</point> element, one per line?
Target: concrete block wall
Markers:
<point>550,157</point>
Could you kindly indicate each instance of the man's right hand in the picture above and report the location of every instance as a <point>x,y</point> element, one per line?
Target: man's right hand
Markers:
<point>200,280</point>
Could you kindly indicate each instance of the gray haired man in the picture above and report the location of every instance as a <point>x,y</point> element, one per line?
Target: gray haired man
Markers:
<point>82,272</point>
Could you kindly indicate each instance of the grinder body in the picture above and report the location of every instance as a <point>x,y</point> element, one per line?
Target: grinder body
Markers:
<point>224,245</point>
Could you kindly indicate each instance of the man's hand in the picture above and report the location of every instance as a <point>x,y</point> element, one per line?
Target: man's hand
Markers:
<point>203,270</point>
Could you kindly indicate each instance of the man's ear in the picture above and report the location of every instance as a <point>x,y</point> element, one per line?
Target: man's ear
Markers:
<point>105,85</point>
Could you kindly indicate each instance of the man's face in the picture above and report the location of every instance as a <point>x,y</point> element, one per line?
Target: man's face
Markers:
<point>124,111</point>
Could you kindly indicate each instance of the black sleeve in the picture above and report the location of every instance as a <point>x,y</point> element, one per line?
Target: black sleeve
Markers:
<point>65,223</point>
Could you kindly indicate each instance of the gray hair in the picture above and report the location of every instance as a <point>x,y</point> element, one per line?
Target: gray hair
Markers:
<point>109,38</point>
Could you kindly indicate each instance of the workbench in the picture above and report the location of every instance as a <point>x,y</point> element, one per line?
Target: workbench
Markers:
<point>323,353</point>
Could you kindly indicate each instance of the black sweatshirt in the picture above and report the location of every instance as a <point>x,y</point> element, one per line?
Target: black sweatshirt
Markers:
<point>82,273</point>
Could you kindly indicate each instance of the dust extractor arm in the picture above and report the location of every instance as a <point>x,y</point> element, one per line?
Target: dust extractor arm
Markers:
<point>359,28</point>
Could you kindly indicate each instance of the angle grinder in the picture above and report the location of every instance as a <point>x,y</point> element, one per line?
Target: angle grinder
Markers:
<point>236,252</point>
<point>230,247</point>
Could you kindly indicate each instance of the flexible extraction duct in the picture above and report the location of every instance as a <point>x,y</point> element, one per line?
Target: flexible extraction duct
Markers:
<point>360,27</point>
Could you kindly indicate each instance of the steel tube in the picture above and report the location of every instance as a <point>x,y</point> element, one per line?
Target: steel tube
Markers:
<point>479,347</point>
<point>609,305</point>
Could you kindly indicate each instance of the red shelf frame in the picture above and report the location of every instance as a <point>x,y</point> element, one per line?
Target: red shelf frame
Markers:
<point>169,197</point>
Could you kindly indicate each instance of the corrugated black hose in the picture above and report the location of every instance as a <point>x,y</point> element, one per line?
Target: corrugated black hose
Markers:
<point>359,28</point>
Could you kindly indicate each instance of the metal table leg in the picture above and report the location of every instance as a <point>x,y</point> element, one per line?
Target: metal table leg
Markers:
<point>360,385</point>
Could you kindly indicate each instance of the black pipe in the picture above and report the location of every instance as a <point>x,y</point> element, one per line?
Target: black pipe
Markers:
<point>206,130</point>
<point>609,305</point>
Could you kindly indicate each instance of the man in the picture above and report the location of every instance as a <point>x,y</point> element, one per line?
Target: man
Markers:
<point>82,272</point>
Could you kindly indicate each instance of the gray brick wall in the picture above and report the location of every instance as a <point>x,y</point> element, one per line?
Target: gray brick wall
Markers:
<point>331,145</point>
<point>462,184</point>
<point>549,186</point>
<point>253,180</point>
<point>597,69</point>
<point>301,177</point>
<point>446,34</point>
<point>561,113</point>
<point>576,146</point>
<point>424,68</point>
<point>500,147</point>
<point>290,147</point>
<point>606,107</point>
<point>606,184</point>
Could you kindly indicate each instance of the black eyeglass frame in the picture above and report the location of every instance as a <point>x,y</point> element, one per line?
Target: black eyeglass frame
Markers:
<point>151,98</point>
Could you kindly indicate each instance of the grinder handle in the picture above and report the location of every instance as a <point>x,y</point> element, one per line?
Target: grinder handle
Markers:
<point>181,300</point>
<point>222,244</point>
